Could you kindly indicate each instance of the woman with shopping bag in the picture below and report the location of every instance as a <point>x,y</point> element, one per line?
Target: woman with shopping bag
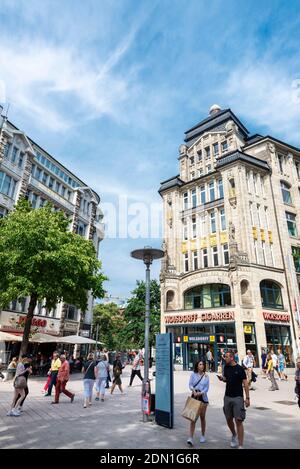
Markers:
<point>196,404</point>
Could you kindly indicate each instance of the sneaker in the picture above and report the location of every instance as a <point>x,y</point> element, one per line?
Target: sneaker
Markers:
<point>190,442</point>
<point>234,441</point>
<point>97,399</point>
<point>15,413</point>
<point>271,389</point>
<point>9,413</point>
<point>240,447</point>
<point>202,439</point>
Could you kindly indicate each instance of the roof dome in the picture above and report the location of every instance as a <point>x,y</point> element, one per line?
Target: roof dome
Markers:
<point>214,109</point>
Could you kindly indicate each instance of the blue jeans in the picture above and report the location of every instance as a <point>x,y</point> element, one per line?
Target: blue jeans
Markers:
<point>52,382</point>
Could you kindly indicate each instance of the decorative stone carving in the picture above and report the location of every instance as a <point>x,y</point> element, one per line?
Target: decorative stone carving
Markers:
<point>231,229</point>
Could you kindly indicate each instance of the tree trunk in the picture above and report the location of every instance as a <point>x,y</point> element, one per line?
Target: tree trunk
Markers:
<point>27,326</point>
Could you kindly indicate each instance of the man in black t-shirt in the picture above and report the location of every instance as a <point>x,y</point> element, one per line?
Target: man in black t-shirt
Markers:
<point>234,406</point>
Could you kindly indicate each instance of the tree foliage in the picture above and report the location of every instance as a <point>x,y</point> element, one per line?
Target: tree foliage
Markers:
<point>110,321</point>
<point>41,259</point>
<point>133,333</point>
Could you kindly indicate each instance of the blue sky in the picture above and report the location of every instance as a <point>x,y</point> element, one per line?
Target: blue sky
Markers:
<point>108,87</point>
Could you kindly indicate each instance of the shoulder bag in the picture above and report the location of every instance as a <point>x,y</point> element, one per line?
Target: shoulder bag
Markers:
<point>192,407</point>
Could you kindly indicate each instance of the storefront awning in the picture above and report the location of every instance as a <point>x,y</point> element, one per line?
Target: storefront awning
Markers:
<point>76,339</point>
<point>43,338</point>
<point>6,337</point>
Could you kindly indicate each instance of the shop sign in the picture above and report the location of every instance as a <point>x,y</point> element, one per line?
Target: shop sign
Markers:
<point>212,338</point>
<point>15,322</point>
<point>85,333</point>
<point>185,338</point>
<point>279,317</point>
<point>201,338</point>
<point>248,329</point>
<point>199,317</point>
<point>71,326</point>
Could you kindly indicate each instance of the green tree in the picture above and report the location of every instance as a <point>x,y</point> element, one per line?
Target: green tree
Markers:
<point>110,321</point>
<point>134,331</point>
<point>41,259</point>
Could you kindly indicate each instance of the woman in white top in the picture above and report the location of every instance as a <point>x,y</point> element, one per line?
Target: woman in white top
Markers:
<point>101,371</point>
<point>199,385</point>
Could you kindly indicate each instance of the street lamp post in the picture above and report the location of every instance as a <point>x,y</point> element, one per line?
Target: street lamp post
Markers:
<point>147,255</point>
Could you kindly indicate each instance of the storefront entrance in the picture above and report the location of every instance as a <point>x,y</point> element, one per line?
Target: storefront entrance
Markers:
<point>279,340</point>
<point>197,352</point>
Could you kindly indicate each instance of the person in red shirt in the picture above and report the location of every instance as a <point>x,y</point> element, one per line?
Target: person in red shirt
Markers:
<point>62,379</point>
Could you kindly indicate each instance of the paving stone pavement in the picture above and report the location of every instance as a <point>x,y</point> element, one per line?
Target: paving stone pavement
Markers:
<point>116,423</point>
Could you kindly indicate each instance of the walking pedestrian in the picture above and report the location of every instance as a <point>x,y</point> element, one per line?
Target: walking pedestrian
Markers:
<point>101,372</point>
<point>275,363</point>
<point>209,358</point>
<point>27,362</point>
<point>53,372</point>
<point>20,384</point>
<point>263,363</point>
<point>117,371</point>
<point>199,385</point>
<point>248,364</point>
<point>281,366</point>
<point>234,405</point>
<point>270,373</point>
<point>89,379</point>
<point>136,367</point>
<point>11,369</point>
<point>63,377</point>
<point>297,379</point>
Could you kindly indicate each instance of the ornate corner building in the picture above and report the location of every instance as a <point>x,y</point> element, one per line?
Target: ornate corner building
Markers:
<point>231,223</point>
<point>27,170</point>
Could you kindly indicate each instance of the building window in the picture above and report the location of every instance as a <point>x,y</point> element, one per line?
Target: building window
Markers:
<point>7,185</point>
<point>21,160</point>
<point>81,228</point>
<point>204,258</point>
<point>63,190</point>
<point>251,213</point>
<point>195,260</point>
<point>200,172</point>
<point>263,189</point>
<point>193,175</point>
<point>224,146</point>
<point>202,224</point>
<point>3,212</point>
<point>71,313</point>
<point>222,219</point>
<point>212,191</point>
<point>280,163</point>
<point>291,223</point>
<point>186,262</point>
<point>44,178</point>
<point>33,200</point>
<point>248,181</point>
<point>14,154</point>
<point>256,251</point>
<point>57,187</point>
<point>295,254</point>
<point>208,168</point>
<point>185,230</point>
<point>212,222</point>
<point>267,218</point>
<point>258,215</point>
<point>51,182</point>
<point>185,201</point>
<point>38,173</point>
<point>194,198</point>
<point>207,152</point>
<point>286,193</point>
<point>192,160</point>
<point>271,295</point>
<point>7,150</point>
<point>199,153</point>
<point>225,254</point>
<point>220,188</point>
<point>202,195</point>
<point>263,244</point>
<point>216,149</point>
<point>213,295</point>
<point>272,255</point>
<point>194,226</point>
<point>255,184</point>
<point>215,256</point>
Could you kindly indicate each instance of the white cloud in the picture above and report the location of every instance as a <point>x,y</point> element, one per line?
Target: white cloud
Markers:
<point>55,86</point>
<point>265,93</point>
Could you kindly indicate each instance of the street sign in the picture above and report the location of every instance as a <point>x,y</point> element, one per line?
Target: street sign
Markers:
<point>164,386</point>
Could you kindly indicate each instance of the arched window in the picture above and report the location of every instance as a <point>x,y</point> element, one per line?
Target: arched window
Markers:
<point>214,295</point>
<point>271,295</point>
<point>286,193</point>
<point>169,299</point>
